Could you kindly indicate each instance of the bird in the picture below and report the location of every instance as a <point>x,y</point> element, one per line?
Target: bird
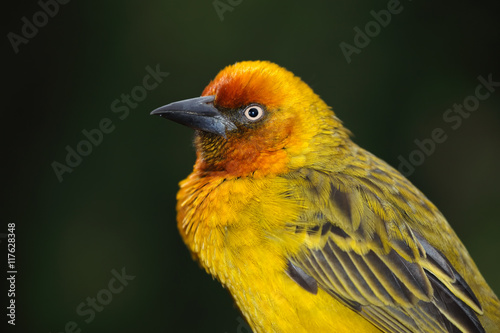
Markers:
<point>308,231</point>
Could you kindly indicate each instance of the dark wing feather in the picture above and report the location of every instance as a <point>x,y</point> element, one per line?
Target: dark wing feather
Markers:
<point>378,267</point>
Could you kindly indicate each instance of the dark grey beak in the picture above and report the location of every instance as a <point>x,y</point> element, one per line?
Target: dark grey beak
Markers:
<point>198,113</point>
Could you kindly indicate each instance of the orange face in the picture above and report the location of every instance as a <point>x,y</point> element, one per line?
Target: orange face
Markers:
<point>256,97</point>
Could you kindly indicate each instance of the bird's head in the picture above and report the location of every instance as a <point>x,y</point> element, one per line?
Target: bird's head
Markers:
<point>256,118</point>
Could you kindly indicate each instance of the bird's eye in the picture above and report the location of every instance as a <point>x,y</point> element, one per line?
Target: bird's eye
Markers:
<point>254,112</point>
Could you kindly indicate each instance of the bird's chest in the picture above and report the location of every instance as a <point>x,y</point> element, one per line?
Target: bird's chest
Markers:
<point>240,233</point>
<point>235,230</point>
<point>229,225</point>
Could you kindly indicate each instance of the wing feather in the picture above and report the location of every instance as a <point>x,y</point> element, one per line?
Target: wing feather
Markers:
<point>361,250</point>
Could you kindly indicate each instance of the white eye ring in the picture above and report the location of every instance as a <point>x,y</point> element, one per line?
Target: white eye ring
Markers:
<point>254,112</point>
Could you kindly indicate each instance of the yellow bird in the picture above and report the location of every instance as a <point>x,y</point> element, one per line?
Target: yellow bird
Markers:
<point>308,231</point>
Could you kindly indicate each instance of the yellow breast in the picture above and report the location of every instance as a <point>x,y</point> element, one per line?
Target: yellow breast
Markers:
<point>224,225</point>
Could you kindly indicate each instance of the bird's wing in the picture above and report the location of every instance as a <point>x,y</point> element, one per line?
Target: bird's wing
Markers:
<point>359,247</point>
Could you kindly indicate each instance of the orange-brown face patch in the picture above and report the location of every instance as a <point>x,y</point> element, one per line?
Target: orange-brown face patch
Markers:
<point>258,152</point>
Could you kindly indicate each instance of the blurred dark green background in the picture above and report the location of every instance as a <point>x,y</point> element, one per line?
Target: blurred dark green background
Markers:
<point>117,208</point>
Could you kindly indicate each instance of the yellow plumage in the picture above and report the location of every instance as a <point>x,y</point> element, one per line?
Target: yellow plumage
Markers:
<point>311,233</point>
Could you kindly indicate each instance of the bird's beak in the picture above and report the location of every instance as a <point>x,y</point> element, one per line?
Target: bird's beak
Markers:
<point>198,113</point>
